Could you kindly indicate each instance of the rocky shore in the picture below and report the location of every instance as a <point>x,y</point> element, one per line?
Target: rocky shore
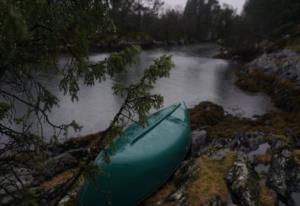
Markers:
<point>233,161</point>
<point>236,161</point>
<point>276,74</point>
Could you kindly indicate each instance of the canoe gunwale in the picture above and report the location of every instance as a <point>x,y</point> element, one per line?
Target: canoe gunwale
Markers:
<point>139,136</point>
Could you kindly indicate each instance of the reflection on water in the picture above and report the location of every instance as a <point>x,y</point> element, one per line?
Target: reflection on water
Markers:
<point>196,77</point>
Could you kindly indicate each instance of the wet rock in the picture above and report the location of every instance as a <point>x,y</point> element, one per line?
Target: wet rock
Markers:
<point>178,198</point>
<point>294,178</point>
<point>221,143</point>
<point>243,182</point>
<point>216,201</point>
<point>199,141</point>
<point>185,172</point>
<point>247,141</point>
<point>278,176</point>
<point>220,154</point>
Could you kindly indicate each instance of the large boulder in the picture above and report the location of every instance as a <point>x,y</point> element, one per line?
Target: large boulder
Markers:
<point>278,173</point>
<point>243,182</point>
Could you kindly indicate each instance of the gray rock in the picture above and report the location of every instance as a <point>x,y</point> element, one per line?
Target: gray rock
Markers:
<point>199,141</point>
<point>284,63</point>
<point>185,172</point>
<point>216,201</point>
<point>243,182</point>
<point>59,164</point>
<point>220,154</point>
<point>294,178</point>
<point>278,177</point>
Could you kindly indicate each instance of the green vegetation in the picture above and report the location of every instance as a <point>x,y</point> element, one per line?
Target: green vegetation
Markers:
<point>34,34</point>
<point>273,21</point>
<point>206,114</point>
<point>294,44</point>
<point>284,93</point>
<point>199,21</point>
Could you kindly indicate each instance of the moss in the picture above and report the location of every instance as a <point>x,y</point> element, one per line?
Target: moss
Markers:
<point>161,195</point>
<point>219,125</point>
<point>229,127</point>
<point>210,181</point>
<point>284,93</point>
<point>267,196</point>
<point>205,114</point>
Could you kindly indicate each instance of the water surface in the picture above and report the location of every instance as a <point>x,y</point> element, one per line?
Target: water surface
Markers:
<point>196,77</point>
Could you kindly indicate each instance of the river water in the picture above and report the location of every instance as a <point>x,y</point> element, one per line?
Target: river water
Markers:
<point>196,77</point>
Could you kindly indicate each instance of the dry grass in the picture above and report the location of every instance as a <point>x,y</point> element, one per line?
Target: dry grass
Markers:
<point>58,180</point>
<point>161,195</point>
<point>264,159</point>
<point>267,196</point>
<point>210,181</point>
<point>296,156</point>
<point>87,140</point>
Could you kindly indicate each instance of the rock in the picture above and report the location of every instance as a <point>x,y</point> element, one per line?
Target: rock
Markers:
<point>185,172</point>
<point>243,182</point>
<point>278,177</point>
<point>178,197</point>
<point>284,63</point>
<point>59,164</point>
<point>247,141</point>
<point>23,179</point>
<point>297,143</point>
<point>216,201</point>
<point>199,141</point>
<point>294,178</point>
<point>220,154</point>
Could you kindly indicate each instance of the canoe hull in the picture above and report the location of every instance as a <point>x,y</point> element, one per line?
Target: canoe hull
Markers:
<point>140,164</point>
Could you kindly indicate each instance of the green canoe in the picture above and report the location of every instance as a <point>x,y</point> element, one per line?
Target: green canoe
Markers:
<point>142,159</point>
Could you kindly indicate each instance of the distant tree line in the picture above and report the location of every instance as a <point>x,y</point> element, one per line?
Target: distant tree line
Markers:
<point>145,20</point>
<point>207,20</point>
<point>267,21</point>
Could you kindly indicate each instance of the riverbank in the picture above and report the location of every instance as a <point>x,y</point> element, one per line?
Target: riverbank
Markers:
<point>236,160</point>
<point>232,159</point>
<point>276,74</point>
<point>113,46</point>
